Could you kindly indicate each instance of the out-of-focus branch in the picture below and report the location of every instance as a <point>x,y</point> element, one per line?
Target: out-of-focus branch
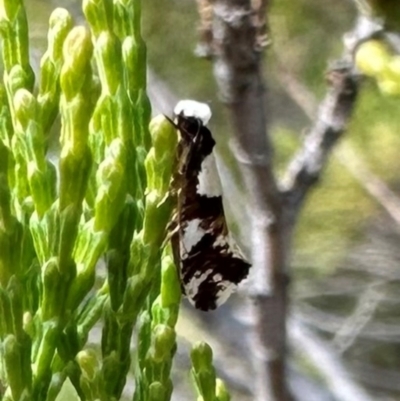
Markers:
<point>331,323</point>
<point>330,366</point>
<point>363,313</point>
<point>376,377</point>
<point>296,90</point>
<point>375,187</point>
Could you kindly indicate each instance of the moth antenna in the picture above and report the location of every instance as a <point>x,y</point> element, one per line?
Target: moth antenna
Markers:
<point>200,124</point>
<point>197,134</point>
<point>171,121</point>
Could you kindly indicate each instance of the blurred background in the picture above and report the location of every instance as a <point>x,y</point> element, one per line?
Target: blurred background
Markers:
<point>344,325</point>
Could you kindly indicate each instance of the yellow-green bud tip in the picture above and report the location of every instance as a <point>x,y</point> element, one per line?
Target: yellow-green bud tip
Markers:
<point>60,16</point>
<point>163,133</point>
<point>77,45</point>
<point>25,105</point>
<point>372,57</point>
<point>88,362</point>
<point>201,356</point>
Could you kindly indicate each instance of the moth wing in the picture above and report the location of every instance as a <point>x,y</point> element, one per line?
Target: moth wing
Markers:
<point>210,279</point>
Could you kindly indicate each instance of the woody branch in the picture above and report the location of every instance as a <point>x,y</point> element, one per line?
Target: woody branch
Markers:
<point>230,35</point>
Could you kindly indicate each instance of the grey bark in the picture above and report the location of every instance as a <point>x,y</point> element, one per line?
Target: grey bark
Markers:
<point>237,69</point>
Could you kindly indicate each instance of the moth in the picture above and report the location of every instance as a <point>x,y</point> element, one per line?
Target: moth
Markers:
<point>210,263</point>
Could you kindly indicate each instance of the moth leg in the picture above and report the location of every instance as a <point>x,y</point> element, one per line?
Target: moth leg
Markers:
<point>172,228</point>
<point>175,244</point>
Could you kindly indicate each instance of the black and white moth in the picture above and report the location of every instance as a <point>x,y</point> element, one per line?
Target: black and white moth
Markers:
<point>210,262</point>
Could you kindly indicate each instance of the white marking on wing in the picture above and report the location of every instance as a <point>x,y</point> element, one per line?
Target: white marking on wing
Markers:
<point>227,288</point>
<point>209,184</point>
<point>192,234</point>
<point>217,277</point>
<point>233,248</point>
<point>192,287</point>
<point>220,241</point>
<point>191,108</point>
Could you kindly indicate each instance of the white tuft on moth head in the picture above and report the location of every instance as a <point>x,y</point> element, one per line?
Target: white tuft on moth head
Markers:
<point>191,108</point>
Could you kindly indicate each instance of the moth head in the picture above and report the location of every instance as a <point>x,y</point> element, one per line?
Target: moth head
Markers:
<point>192,110</point>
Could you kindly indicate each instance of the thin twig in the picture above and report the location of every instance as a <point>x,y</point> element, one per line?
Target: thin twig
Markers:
<point>384,379</point>
<point>331,323</point>
<point>306,167</point>
<point>332,118</point>
<point>345,154</point>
